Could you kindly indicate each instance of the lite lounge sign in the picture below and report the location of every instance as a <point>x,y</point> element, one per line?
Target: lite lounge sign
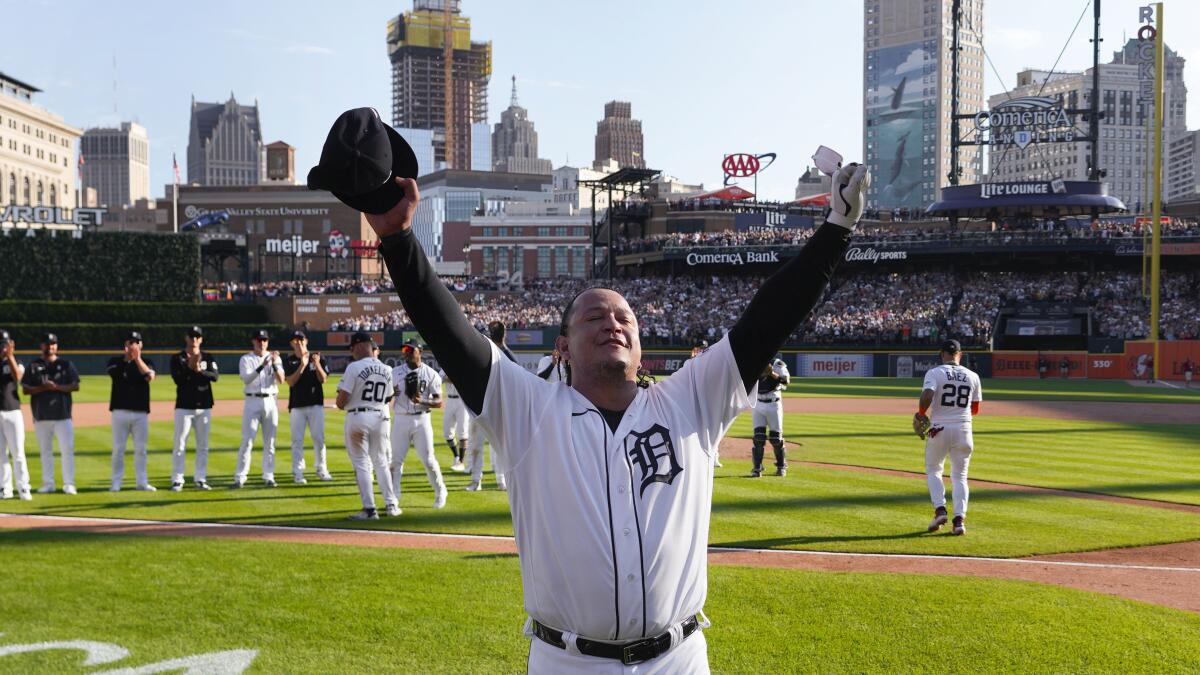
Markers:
<point>989,190</point>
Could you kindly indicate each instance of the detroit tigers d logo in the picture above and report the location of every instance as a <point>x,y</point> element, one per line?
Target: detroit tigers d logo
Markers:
<point>653,452</point>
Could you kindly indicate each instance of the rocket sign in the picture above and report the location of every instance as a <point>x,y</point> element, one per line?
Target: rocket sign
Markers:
<point>743,165</point>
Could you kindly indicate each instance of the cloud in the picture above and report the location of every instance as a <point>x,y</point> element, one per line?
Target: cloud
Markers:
<point>914,62</point>
<point>309,49</point>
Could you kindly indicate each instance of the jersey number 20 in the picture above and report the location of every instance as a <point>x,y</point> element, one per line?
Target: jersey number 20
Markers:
<point>375,392</point>
<point>955,397</point>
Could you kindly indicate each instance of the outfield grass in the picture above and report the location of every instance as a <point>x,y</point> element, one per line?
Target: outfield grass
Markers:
<point>995,389</point>
<point>315,608</point>
<point>814,508</point>
<point>96,388</point>
<point>1158,461</point>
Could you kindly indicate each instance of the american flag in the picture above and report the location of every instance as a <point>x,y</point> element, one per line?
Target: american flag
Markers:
<point>175,166</point>
<point>81,162</point>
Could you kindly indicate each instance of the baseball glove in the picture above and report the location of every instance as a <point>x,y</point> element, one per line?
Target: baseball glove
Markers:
<point>411,384</point>
<point>921,425</point>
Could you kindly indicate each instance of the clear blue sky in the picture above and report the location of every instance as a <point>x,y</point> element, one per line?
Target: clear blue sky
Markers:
<point>706,78</point>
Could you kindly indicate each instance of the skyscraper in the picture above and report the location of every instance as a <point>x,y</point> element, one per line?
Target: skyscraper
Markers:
<point>515,142</point>
<point>225,145</point>
<point>619,136</point>
<point>416,43</point>
<point>906,96</point>
<point>116,163</point>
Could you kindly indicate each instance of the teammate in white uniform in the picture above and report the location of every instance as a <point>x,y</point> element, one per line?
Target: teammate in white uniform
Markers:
<point>951,394</point>
<point>455,423</point>
<point>363,393</point>
<point>551,368</point>
<point>417,388</point>
<point>262,373</point>
<point>768,417</point>
<point>610,483</point>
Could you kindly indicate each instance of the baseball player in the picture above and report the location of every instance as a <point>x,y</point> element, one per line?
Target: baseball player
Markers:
<point>129,401</point>
<point>768,416</point>
<point>1042,365</point>
<point>455,422</point>
<point>697,351</point>
<point>610,482</point>
<point>479,435</point>
<point>364,393</point>
<point>305,375</point>
<point>194,372</point>
<point>951,394</point>
<point>1188,367</point>
<point>48,382</point>
<point>1064,367</point>
<point>262,372</point>
<point>551,368</point>
<point>417,389</point>
<point>12,423</point>
<point>1150,369</point>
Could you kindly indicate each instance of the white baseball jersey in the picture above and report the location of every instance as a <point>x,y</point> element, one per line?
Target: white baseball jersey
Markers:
<point>451,390</point>
<point>258,381</point>
<point>429,386</point>
<point>557,374</point>
<point>954,389</point>
<point>612,527</point>
<point>369,383</point>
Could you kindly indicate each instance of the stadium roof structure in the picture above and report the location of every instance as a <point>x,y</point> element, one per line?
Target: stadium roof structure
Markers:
<point>622,178</point>
<point>1036,199</point>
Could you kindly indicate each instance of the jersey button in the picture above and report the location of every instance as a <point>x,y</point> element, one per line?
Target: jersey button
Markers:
<point>629,578</point>
<point>621,489</point>
<point>625,532</point>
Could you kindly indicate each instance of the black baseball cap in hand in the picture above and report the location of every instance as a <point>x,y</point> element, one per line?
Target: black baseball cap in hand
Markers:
<point>360,160</point>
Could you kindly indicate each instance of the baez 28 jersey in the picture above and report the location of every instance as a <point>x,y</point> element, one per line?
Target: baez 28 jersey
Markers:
<point>954,390</point>
<point>369,383</point>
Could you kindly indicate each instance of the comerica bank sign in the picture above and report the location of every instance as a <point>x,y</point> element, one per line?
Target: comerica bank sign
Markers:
<point>1025,120</point>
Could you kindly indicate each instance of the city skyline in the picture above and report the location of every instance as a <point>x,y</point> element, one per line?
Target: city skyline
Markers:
<point>700,90</point>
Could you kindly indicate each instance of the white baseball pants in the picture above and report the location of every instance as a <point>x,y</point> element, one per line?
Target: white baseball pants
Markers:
<point>187,421</point>
<point>64,431</point>
<point>313,417</point>
<point>416,430</point>
<point>126,423</point>
<point>769,415</point>
<point>957,442</point>
<point>258,412</point>
<point>689,656</point>
<point>12,449</point>
<point>367,445</point>
<point>475,457</point>
<point>455,419</point>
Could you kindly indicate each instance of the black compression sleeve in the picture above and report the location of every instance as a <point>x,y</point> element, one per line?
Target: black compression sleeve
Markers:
<point>784,300</point>
<point>463,353</point>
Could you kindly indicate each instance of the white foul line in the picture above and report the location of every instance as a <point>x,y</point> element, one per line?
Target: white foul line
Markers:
<point>487,537</point>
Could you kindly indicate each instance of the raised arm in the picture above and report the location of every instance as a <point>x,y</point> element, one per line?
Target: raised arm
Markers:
<point>462,351</point>
<point>786,298</point>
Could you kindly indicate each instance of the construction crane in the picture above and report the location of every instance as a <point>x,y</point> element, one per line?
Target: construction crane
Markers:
<point>448,64</point>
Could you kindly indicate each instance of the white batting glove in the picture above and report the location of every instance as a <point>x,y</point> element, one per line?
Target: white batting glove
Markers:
<point>846,195</point>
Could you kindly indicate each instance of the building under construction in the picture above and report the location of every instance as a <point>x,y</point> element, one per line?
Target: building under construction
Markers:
<point>428,47</point>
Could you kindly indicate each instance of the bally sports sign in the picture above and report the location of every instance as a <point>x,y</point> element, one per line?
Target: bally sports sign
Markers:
<point>873,255</point>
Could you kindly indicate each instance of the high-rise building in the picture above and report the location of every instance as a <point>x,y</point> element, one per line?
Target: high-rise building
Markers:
<point>1126,145</point>
<point>812,182</point>
<point>416,43</point>
<point>225,145</point>
<point>515,142</point>
<point>281,163</point>
<point>1183,167</point>
<point>37,150</point>
<point>907,97</point>
<point>619,137</point>
<point>116,161</point>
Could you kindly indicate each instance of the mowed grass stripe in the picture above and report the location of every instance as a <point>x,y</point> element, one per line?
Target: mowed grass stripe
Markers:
<point>309,608</point>
<point>1159,461</point>
<point>1000,389</point>
<point>817,509</point>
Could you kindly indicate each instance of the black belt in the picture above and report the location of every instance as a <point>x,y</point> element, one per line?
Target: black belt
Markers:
<point>364,410</point>
<point>628,653</point>
<point>767,400</point>
<point>259,395</point>
<point>451,395</point>
<point>423,412</point>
